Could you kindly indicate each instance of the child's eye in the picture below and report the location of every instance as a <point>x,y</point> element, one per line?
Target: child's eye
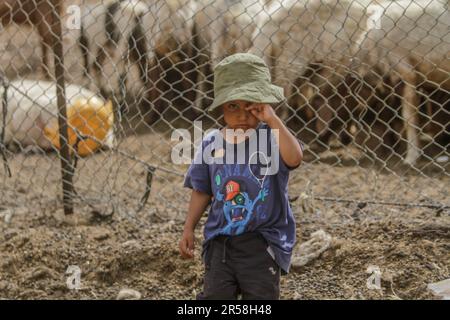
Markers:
<point>233,106</point>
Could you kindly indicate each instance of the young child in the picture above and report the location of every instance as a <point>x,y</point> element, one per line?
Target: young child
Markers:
<point>250,230</point>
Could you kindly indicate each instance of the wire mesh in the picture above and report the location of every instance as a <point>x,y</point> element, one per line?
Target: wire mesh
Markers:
<point>367,86</point>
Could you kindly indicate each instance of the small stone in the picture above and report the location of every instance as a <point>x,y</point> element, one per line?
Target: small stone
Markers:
<point>40,273</point>
<point>297,296</point>
<point>441,289</point>
<point>7,216</point>
<point>21,190</point>
<point>130,244</point>
<point>32,294</point>
<point>9,234</point>
<point>66,220</point>
<point>4,285</point>
<point>101,235</point>
<point>362,205</point>
<point>128,294</point>
<point>21,241</point>
<point>98,216</point>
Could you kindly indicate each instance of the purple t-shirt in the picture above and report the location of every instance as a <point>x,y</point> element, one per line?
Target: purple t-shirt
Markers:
<point>245,197</point>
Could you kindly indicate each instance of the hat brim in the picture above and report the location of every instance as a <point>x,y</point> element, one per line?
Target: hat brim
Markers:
<point>253,92</point>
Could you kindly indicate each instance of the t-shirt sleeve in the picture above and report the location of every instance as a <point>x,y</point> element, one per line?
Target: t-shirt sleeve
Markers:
<point>197,177</point>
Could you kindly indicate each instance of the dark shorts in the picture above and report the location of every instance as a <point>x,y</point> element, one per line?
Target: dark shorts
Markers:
<point>240,265</point>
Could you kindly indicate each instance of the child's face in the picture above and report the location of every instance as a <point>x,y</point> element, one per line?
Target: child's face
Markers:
<point>236,116</point>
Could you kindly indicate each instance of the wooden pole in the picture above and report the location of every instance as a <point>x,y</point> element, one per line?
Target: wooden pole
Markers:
<point>66,161</point>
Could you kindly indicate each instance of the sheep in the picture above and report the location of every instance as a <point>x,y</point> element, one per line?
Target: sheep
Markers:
<point>171,57</point>
<point>186,46</point>
<point>355,38</point>
<point>227,26</point>
<point>297,34</point>
<point>364,111</point>
<point>435,118</point>
<point>411,41</point>
<point>31,116</point>
<point>105,40</point>
<point>37,13</point>
<point>155,36</point>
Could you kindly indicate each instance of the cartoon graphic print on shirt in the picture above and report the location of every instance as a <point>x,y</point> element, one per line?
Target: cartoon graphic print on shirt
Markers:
<point>233,191</point>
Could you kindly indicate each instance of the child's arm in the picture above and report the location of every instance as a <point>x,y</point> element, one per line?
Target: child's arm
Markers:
<point>290,149</point>
<point>197,205</point>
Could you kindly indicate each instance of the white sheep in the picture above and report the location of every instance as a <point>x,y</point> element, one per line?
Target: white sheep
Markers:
<point>409,39</point>
<point>156,38</point>
<point>104,37</point>
<point>228,25</point>
<point>168,27</point>
<point>296,34</point>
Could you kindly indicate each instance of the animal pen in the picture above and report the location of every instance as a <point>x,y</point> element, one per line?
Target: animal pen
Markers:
<point>368,93</point>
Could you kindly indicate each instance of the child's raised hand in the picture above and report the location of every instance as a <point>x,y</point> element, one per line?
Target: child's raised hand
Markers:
<point>262,111</point>
<point>187,244</point>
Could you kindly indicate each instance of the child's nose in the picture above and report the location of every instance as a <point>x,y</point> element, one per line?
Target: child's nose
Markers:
<point>244,114</point>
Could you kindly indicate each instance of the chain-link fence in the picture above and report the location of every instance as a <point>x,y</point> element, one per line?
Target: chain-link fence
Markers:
<point>367,82</point>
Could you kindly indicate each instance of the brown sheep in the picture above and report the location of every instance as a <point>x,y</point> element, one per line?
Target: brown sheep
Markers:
<point>37,13</point>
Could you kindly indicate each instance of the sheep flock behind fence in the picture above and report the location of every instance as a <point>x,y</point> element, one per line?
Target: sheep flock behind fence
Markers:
<point>367,86</point>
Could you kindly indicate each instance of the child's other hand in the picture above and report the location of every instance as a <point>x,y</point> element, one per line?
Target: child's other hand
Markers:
<point>262,111</point>
<point>186,245</point>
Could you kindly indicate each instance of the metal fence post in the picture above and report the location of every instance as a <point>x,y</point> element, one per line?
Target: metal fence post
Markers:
<point>66,163</point>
